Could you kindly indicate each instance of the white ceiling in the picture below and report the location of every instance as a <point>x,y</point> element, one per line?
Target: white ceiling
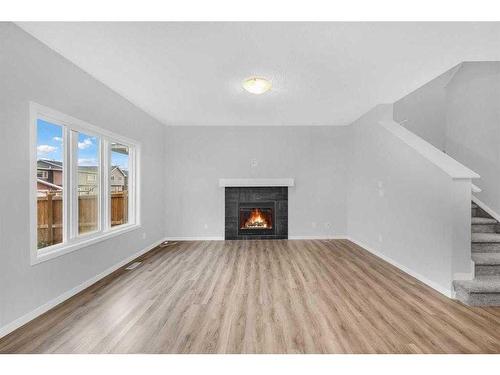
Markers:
<point>322,73</point>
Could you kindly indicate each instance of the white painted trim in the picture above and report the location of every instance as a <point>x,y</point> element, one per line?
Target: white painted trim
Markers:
<point>323,237</point>
<point>71,239</point>
<point>85,240</point>
<point>465,275</point>
<point>246,182</point>
<point>444,162</point>
<point>195,238</point>
<point>221,238</point>
<point>488,210</point>
<point>9,327</point>
<point>447,292</point>
<point>475,189</point>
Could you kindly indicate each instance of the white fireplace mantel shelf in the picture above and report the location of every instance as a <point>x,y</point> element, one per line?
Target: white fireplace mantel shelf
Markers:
<point>252,182</point>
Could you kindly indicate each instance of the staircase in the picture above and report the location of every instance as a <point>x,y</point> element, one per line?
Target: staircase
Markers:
<point>484,289</point>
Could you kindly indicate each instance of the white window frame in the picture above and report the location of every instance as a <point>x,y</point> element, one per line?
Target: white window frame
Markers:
<point>71,239</point>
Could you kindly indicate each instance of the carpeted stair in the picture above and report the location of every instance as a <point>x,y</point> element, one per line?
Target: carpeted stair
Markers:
<point>484,289</point>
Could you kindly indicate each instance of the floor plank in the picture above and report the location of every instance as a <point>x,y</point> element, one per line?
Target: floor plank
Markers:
<point>281,296</point>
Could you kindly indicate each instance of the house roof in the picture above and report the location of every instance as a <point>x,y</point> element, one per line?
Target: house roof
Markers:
<point>48,184</point>
<point>87,168</point>
<point>57,165</point>
<point>122,171</point>
<point>49,164</point>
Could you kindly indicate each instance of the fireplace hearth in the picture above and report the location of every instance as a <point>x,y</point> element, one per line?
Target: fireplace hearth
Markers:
<point>256,213</point>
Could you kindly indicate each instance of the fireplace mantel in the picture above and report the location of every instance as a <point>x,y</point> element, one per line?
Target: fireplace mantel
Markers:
<point>255,182</point>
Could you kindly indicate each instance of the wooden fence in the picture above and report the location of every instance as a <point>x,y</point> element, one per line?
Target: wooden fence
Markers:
<point>50,215</point>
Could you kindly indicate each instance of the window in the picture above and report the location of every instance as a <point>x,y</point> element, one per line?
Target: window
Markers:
<point>88,185</point>
<point>43,175</point>
<point>84,187</point>
<point>50,202</point>
<point>119,195</point>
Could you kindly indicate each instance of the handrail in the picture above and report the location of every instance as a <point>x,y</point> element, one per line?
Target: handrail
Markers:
<point>443,161</point>
<point>476,189</point>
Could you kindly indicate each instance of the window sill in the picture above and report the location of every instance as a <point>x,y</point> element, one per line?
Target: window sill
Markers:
<point>39,256</point>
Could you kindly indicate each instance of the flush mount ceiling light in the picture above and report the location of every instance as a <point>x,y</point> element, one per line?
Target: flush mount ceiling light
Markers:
<point>257,85</point>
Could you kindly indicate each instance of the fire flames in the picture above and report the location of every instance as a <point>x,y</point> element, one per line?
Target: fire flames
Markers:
<point>257,220</point>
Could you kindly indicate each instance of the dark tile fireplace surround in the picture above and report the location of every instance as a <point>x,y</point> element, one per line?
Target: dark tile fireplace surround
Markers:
<point>256,213</point>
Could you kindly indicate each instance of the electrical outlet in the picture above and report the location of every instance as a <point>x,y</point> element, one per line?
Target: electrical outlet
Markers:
<point>143,235</point>
<point>254,163</point>
<point>206,226</point>
<point>328,225</point>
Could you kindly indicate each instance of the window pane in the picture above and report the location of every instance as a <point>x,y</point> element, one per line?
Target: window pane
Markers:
<point>49,184</point>
<point>119,184</point>
<point>88,183</point>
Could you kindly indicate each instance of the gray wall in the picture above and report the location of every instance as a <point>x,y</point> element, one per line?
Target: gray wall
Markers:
<point>459,113</point>
<point>405,207</point>
<point>196,157</point>
<point>423,112</point>
<point>473,126</point>
<point>29,71</point>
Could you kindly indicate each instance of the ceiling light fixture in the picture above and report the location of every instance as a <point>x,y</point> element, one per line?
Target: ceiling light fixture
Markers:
<point>257,85</point>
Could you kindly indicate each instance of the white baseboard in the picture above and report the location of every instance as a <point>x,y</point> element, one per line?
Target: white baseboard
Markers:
<point>221,238</point>
<point>488,210</point>
<point>446,291</point>
<point>324,237</point>
<point>8,328</point>
<point>195,238</point>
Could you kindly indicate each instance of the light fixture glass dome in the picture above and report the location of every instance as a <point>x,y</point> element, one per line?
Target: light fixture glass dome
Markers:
<point>257,85</point>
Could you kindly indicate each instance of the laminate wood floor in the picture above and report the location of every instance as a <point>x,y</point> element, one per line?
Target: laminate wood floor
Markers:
<point>260,297</point>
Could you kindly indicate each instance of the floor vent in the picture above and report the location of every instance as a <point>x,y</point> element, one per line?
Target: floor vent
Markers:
<point>167,243</point>
<point>133,265</point>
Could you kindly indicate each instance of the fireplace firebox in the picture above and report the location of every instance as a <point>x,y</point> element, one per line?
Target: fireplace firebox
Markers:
<point>256,213</point>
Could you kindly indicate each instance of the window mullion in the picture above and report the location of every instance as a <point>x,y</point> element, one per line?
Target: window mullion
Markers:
<point>66,183</point>
<point>105,181</point>
<point>73,184</point>
<point>132,186</point>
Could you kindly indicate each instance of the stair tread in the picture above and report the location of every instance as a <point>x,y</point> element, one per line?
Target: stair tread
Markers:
<point>484,284</point>
<point>483,220</point>
<point>486,258</point>
<point>485,237</point>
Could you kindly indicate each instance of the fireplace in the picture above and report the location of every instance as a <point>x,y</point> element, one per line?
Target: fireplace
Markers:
<point>256,213</point>
<point>256,218</point>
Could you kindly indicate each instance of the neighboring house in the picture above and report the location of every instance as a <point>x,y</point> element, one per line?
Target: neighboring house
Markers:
<point>43,187</point>
<point>49,177</point>
<point>50,171</point>
<point>87,179</point>
<point>118,179</point>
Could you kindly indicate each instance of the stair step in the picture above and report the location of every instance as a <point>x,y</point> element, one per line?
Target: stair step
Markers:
<point>479,212</point>
<point>486,264</point>
<point>483,220</point>
<point>485,237</point>
<point>486,258</point>
<point>482,291</point>
<point>473,205</point>
<point>485,228</point>
<point>485,247</point>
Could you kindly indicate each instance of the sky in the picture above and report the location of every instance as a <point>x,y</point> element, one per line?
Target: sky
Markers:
<point>50,144</point>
